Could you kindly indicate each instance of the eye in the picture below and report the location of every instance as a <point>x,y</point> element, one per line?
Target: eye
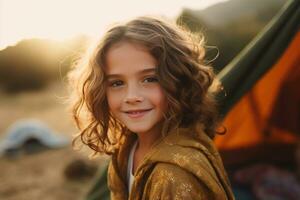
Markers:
<point>116,83</point>
<point>151,79</point>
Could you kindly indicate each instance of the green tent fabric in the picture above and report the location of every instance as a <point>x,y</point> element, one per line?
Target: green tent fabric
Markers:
<point>242,73</point>
<point>99,189</point>
<point>259,56</point>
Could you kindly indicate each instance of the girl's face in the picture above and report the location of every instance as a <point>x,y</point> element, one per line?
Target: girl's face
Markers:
<point>134,95</point>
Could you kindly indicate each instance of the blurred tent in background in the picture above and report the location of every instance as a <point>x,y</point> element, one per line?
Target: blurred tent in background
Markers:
<point>31,136</point>
<point>261,104</point>
<point>261,101</point>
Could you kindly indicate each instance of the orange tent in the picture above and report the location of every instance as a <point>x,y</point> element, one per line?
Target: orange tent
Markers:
<point>264,120</point>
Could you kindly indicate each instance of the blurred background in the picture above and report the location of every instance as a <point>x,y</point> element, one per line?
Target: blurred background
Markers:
<point>39,40</point>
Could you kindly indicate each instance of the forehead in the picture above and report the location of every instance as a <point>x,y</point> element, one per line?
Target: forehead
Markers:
<point>127,58</point>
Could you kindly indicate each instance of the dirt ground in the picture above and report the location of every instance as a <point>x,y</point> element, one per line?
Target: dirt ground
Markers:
<point>41,175</point>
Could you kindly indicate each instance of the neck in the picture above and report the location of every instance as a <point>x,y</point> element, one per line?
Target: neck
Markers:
<point>146,140</point>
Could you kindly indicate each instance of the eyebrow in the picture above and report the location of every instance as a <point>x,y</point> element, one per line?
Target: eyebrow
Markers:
<point>144,71</point>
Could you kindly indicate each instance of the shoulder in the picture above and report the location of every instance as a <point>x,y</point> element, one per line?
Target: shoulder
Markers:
<point>170,172</point>
<point>169,181</point>
<point>171,175</point>
<point>195,161</point>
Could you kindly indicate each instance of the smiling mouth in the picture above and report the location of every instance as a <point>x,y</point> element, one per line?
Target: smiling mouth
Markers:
<point>137,113</point>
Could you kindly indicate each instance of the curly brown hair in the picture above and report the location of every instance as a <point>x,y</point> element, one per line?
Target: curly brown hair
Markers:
<point>182,73</point>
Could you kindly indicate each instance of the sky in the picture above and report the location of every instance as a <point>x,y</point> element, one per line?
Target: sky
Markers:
<point>63,19</point>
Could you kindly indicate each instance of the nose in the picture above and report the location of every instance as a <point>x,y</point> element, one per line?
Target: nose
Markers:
<point>133,95</point>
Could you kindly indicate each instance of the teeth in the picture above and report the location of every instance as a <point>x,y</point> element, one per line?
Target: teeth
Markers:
<point>135,112</point>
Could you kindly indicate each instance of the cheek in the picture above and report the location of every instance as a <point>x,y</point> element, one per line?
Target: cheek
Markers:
<point>113,101</point>
<point>159,98</point>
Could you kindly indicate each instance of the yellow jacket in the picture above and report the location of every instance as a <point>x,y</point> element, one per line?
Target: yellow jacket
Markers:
<point>177,167</point>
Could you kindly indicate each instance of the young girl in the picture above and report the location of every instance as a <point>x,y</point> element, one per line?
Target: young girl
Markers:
<point>145,97</point>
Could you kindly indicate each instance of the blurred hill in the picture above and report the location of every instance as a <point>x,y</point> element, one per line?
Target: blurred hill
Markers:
<point>229,25</point>
<point>33,63</point>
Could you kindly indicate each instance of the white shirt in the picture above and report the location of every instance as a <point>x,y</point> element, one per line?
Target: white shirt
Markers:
<point>130,176</point>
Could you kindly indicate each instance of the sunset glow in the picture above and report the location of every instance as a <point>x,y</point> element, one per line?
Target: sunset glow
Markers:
<point>61,19</point>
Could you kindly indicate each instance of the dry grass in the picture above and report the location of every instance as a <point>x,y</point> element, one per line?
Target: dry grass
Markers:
<point>40,176</point>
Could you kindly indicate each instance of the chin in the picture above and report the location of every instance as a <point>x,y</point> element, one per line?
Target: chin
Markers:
<point>139,129</point>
